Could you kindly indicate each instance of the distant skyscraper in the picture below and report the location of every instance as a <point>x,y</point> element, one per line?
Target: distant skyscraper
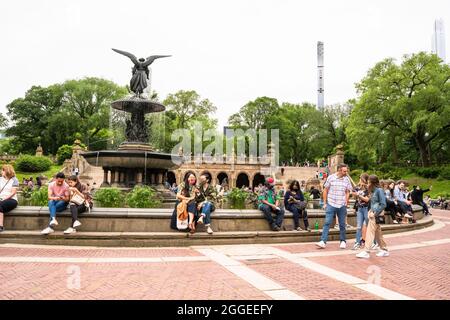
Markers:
<point>320,90</point>
<point>438,39</point>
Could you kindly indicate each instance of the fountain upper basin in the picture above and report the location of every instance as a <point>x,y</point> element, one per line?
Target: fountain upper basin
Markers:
<point>132,159</point>
<point>138,105</point>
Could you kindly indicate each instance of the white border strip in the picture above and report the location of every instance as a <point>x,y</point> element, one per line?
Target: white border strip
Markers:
<point>271,288</point>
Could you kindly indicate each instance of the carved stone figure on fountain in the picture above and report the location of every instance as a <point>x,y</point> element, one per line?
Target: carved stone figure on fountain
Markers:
<point>140,71</point>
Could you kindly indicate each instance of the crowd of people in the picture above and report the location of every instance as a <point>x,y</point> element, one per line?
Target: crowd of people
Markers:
<point>197,199</point>
<point>61,195</point>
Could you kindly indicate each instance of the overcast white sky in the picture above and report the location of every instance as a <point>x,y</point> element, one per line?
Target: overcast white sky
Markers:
<point>228,51</point>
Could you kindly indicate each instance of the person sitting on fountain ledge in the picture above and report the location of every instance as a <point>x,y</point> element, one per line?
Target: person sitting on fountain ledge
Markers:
<point>58,199</point>
<point>205,200</point>
<point>269,202</point>
<point>187,191</point>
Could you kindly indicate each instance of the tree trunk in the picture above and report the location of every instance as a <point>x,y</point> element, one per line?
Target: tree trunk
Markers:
<point>423,149</point>
<point>394,149</point>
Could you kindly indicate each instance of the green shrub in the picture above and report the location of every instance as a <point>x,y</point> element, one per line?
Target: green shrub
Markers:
<point>356,173</point>
<point>109,197</point>
<point>28,163</point>
<point>237,198</point>
<point>39,197</point>
<point>143,197</point>
<point>445,173</point>
<point>430,172</point>
<point>64,152</point>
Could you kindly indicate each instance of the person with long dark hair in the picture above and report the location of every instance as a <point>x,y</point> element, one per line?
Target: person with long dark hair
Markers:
<point>294,201</point>
<point>80,201</point>
<point>187,191</point>
<point>377,205</point>
<point>362,210</point>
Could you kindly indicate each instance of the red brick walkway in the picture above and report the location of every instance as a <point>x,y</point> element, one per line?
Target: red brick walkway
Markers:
<point>419,271</point>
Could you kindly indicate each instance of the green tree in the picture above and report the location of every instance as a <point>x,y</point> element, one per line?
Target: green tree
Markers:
<point>404,103</point>
<point>254,114</point>
<point>54,115</point>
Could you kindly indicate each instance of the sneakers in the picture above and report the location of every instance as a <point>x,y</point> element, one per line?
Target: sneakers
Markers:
<point>47,230</point>
<point>363,254</point>
<point>209,230</point>
<point>336,226</point>
<point>308,229</point>
<point>348,226</point>
<point>356,246</point>
<point>200,220</point>
<point>374,246</point>
<point>76,224</point>
<point>343,245</point>
<point>395,222</point>
<point>298,229</point>
<point>53,222</point>
<point>70,230</point>
<point>275,227</point>
<point>409,216</point>
<point>321,244</point>
<point>383,253</point>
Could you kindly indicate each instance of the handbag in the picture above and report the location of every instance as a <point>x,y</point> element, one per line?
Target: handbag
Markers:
<point>301,205</point>
<point>77,199</point>
<point>182,216</point>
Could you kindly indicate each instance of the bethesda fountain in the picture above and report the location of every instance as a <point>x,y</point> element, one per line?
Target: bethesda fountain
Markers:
<point>135,162</point>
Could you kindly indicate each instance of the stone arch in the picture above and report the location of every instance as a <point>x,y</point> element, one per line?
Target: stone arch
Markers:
<point>257,179</point>
<point>221,176</point>
<point>242,179</point>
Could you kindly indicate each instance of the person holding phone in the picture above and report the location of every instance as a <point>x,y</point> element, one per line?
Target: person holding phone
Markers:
<point>269,202</point>
<point>58,199</point>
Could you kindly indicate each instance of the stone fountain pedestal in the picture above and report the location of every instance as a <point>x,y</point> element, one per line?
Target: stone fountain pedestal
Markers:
<point>135,162</point>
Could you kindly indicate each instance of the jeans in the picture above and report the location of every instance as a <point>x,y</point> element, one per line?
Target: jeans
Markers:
<point>76,210</point>
<point>425,207</point>
<point>206,210</point>
<point>268,215</point>
<point>56,206</point>
<point>362,217</point>
<point>330,212</point>
<point>297,213</point>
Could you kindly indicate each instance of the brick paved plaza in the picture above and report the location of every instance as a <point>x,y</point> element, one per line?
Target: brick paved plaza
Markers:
<point>418,268</point>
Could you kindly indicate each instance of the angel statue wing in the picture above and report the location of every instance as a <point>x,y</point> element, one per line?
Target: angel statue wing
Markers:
<point>127,54</point>
<point>150,60</point>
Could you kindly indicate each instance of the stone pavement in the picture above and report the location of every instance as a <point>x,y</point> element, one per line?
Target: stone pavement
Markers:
<point>418,268</point>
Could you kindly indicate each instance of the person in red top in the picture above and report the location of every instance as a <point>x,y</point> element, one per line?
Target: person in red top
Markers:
<point>58,199</point>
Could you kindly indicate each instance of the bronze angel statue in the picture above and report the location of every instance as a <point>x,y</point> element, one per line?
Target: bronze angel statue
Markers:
<point>140,71</point>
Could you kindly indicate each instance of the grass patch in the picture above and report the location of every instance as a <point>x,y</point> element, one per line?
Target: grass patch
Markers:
<point>439,187</point>
<point>49,173</point>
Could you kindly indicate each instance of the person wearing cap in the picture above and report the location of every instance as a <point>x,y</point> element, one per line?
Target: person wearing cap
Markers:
<point>269,202</point>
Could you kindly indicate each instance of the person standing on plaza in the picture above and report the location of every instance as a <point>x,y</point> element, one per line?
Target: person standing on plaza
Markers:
<point>58,199</point>
<point>336,195</point>
<point>362,209</point>
<point>377,205</point>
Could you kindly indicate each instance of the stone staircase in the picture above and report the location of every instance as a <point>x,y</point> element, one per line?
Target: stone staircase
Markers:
<point>297,173</point>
